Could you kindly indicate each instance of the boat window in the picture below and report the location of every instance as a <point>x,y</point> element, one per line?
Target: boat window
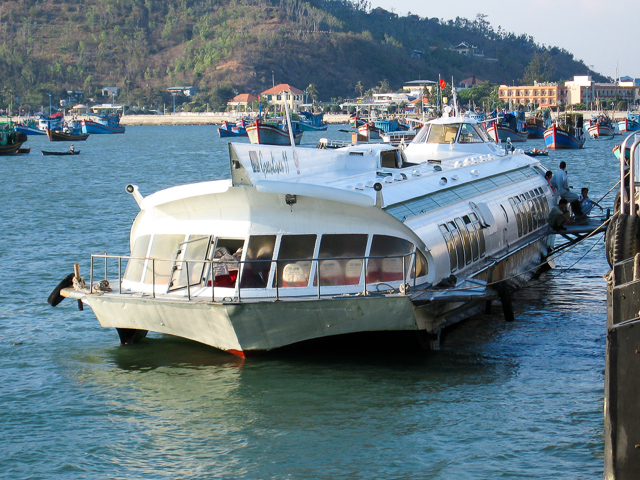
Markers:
<point>465,239</point>
<point>344,259</point>
<point>481,243</point>
<point>481,131</point>
<point>515,205</point>
<point>189,252</point>
<point>255,271</point>
<point>422,134</point>
<point>451,247</point>
<point>458,241</point>
<point>164,249</point>
<point>135,266</point>
<point>294,260</point>
<point>226,255</point>
<point>527,210</point>
<point>421,265</point>
<point>442,133</point>
<point>388,266</point>
<point>468,134</point>
<point>473,237</point>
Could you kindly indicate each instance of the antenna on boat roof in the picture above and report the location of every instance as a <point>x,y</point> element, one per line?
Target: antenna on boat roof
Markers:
<point>456,112</point>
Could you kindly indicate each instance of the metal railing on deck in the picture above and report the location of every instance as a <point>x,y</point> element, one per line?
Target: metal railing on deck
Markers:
<point>209,280</point>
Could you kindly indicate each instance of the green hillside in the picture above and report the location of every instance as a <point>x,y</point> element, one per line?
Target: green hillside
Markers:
<point>220,46</point>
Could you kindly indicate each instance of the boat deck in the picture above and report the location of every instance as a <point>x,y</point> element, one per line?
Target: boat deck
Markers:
<point>576,233</point>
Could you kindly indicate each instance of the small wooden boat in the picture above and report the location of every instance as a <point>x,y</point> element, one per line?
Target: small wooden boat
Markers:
<point>238,129</point>
<point>536,153</point>
<point>56,136</point>
<point>66,152</point>
<point>273,132</point>
<point>23,151</point>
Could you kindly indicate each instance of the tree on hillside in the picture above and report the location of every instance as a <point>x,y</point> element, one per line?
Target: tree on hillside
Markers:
<point>359,87</point>
<point>384,86</point>
<point>541,68</point>
<point>312,91</point>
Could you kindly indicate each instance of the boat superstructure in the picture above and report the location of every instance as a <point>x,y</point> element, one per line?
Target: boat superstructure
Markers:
<point>306,243</point>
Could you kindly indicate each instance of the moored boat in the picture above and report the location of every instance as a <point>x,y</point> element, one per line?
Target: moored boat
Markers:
<point>10,139</point>
<point>29,127</point>
<point>51,122</point>
<point>235,129</point>
<point>537,124</point>
<point>57,136</point>
<point>305,243</point>
<point>508,126</point>
<point>567,133</point>
<point>600,127</point>
<point>102,124</point>
<point>312,122</point>
<point>273,131</point>
<point>630,123</point>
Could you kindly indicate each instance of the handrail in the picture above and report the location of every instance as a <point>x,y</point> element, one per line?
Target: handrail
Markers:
<point>623,160</point>
<point>275,284</point>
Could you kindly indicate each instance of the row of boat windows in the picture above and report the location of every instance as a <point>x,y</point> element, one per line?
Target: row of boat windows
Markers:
<point>302,260</point>
<point>531,209</point>
<point>443,198</point>
<point>462,133</point>
<point>465,240</point>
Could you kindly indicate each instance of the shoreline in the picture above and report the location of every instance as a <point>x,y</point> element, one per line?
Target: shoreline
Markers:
<point>205,119</point>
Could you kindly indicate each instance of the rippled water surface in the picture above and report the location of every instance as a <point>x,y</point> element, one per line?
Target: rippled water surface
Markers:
<point>499,400</point>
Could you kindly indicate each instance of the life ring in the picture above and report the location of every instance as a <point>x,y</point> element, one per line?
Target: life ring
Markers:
<point>55,298</point>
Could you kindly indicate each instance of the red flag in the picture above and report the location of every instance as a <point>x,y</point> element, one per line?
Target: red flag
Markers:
<point>442,84</point>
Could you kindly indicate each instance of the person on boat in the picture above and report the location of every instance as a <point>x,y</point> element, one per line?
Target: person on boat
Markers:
<point>548,176</point>
<point>561,182</point>
<point>71,149</point>
<point>586,203</point>
<point>559,216</point>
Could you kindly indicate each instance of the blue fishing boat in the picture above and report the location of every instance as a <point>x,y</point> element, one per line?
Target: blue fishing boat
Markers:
<point>537,124</point>
<point>102,124</point>
<point>600,127</point>
<point>630,123</point>
<point>237,129</point>
<point>313,122</point>
<point>29,127</point>
<point>567,134</point>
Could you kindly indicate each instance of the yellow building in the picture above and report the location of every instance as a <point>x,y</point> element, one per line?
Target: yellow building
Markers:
<point>539,94</point>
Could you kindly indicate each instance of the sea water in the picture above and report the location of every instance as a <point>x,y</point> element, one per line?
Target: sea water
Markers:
<point>522,399</point>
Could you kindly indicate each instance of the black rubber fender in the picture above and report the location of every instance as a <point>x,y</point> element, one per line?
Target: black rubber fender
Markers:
<point>608,238</point>
<point>623,238</point>
<point>55,298</point>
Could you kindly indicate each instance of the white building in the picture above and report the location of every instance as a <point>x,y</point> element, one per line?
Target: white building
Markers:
<point>582,89</point>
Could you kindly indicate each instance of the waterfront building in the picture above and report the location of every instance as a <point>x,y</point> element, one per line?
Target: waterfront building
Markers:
<point>538,94</point>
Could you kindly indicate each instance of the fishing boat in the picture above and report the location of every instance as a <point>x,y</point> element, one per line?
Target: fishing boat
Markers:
<point>508,126</point>
<point>600,127</point>
<point>630,123</point>
<point>304,244</point>
<point>537,124</point>
<point>567,133</point>
<point>29,127</point>
<point>235,129</point>
<point>102,124</point>
<point>273,131</point>
<point>51,122</point>
<point>67,152</point>
<point>58,136</point>
<point>10,139</point>
<point>312,122</point>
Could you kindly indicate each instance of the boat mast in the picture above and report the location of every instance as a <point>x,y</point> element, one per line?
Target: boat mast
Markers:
<point>286,109</point>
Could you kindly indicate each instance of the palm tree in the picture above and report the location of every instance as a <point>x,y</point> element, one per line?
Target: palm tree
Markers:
<point>313,92</point>
<point>359,87</point>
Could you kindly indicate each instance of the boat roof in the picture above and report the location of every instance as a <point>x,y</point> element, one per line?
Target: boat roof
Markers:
<point>356,174</point>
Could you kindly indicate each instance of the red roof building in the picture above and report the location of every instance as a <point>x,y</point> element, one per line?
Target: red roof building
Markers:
<point>274,96</point>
